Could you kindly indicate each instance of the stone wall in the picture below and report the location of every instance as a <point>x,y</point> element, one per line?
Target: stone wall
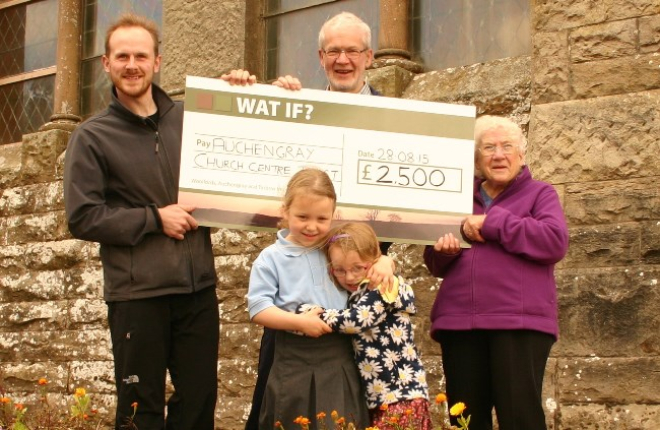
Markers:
<point>589,95</point>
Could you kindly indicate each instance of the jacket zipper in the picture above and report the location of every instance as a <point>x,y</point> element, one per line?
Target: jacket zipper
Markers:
<point>185,237</point>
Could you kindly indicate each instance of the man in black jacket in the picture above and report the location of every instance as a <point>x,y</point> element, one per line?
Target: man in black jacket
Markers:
<point>120,188</point>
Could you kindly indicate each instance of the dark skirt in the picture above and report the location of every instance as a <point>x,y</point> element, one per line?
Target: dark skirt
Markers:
<point>312,376</point>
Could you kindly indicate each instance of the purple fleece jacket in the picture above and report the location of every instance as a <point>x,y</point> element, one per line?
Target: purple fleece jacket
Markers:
<point>506,283</point>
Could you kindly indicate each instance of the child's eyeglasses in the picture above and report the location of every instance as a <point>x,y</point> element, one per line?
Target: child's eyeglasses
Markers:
<point>356,271</point>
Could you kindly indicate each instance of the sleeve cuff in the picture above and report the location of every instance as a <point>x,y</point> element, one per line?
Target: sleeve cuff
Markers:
<point>159,222</point>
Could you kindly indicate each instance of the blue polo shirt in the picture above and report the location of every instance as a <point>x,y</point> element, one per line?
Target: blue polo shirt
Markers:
<point>286,275</point>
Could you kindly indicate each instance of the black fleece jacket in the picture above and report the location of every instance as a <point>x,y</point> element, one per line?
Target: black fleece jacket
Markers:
<point>119,168</point>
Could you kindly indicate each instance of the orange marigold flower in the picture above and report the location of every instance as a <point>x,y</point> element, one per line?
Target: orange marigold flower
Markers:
<point>19,406</point>
<point>440,398</point>
<point>42,381</point>
<point>409,412</point>
<point>341,420</point>
<point>383,407</point>
<point>5,400</point>
<point>457,409</point>
<point>393,419</point>
<point>334,415</point>
<point>134,405</point>
<point>80,392</point>
<point>278,424</point>
<point>320,415</point>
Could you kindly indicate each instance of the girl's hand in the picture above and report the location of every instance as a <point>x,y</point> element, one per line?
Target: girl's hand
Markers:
<point>381,273</point>
<point>447,244</point>
<point>312,325</point>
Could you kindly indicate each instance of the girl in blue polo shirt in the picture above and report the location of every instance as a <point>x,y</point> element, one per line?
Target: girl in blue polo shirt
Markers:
<point>313,373</point>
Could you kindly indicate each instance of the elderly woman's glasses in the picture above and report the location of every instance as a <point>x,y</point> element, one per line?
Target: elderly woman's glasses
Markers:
<point>490,150</point>
<point>351,54</point>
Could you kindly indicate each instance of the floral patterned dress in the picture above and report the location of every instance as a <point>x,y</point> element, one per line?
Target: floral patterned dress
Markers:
<point>385,352</point>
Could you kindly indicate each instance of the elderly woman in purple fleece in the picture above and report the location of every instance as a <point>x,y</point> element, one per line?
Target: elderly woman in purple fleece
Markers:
<point>495,315</point>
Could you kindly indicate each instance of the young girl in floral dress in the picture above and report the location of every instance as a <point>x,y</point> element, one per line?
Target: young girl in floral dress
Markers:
<point>385,351</point>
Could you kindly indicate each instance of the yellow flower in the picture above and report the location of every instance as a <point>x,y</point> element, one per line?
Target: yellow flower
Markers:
<point>457,409</point>
<point>43,381</point>
<point>80,392</point>
<point>440,398</point>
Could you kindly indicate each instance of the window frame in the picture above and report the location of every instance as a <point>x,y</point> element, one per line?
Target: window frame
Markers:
<point>25,76</point>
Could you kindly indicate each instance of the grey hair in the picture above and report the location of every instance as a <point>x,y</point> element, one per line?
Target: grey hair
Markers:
<point>346,19</point>
<point>487,123</point>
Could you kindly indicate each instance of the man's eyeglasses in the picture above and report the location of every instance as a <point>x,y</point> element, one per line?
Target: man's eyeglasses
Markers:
<point>356,271</point>
<point>490,150</point>
<point>351,54</point>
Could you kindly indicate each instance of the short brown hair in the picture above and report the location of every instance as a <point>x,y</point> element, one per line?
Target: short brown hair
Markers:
<point>132,20</point>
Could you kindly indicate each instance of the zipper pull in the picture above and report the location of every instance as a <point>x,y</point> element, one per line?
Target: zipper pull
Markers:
<point>157,142</point>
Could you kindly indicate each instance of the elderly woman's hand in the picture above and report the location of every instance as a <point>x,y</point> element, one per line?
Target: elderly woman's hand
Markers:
<point>472,227</point>
<point>447,244</point>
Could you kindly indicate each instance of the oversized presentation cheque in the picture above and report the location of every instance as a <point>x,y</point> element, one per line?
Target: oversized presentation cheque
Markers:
<point>404,166</point>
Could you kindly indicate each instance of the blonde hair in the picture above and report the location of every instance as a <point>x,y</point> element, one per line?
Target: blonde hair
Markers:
<point>308,181</point>
<point>354,236</point>
<point>346,19</point>
<point>132,20</point>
